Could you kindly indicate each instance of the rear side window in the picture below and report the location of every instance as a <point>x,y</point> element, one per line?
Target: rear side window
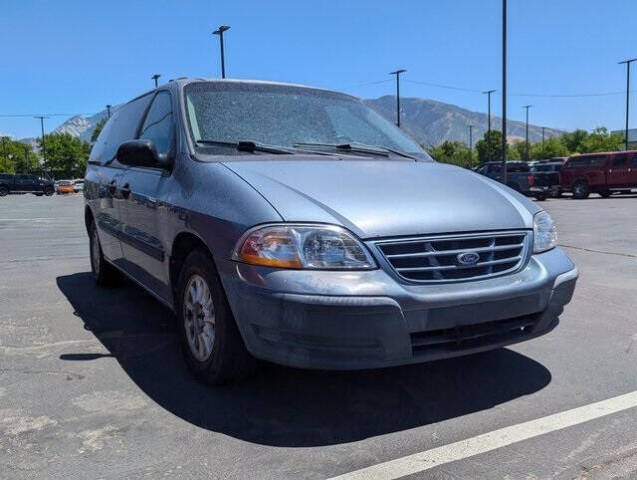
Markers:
<point>584,162</point>
<point>620,161</point>
<point>158,125</point>
<point>121,127</point>
<point>517,167</point>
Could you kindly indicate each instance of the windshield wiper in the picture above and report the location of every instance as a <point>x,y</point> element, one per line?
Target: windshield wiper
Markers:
<point>249,146</point>
<point>358,148</point>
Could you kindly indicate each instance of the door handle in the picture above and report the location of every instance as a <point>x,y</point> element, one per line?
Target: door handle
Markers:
<point>112,187</point>
<point>126,191</point>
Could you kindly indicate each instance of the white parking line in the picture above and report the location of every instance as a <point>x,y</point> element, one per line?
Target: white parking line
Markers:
<point>435,457</point>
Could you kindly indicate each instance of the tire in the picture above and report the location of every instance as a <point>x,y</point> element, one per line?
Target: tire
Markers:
<point>3,191</point>
<point>581,190</point>
<point>104,273</point>
<point>540,197</point>
<point>211,343</point>
<point>49,191</point>
<point>39,194</point>
<point>605,193</point>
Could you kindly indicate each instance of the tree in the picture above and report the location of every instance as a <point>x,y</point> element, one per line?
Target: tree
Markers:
<point>600,140</point>
<point>17,157</point>
<point>98,129</point>
<point>573,140</point>
<point>518,151</point>
<point>552,147</point>
<point>456,153</point>
<point>490,146</point>
<point>66,156</point>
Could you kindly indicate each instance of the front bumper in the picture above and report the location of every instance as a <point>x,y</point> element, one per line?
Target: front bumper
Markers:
<point>356,320</point>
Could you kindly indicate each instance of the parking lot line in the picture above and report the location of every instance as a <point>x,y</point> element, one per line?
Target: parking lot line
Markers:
<point>419,462</point>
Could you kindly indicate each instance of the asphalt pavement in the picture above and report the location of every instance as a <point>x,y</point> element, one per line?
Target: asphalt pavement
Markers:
<point>92,383</point>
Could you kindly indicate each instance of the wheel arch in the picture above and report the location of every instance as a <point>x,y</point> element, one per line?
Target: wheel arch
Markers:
<point>88,217</point>
<point>184,243</point>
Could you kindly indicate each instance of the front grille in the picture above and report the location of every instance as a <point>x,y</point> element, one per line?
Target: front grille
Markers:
<point>436,259</point>
<point>465,337</point>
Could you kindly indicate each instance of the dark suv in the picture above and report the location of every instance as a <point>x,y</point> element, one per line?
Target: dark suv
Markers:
<point>24,183</point>
<point>296,225</point>
<point>519,178</point>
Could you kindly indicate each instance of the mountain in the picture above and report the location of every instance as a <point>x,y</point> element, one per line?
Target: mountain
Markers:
<point>428,121</point>
<point>81,126</point>
<point>431,122</point>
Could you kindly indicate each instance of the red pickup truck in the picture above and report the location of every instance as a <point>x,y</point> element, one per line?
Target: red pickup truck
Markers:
<point>603,173</point>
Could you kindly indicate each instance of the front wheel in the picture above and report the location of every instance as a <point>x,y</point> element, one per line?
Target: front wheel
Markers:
<point>540,197</point>
<point>211,342</point>
<point>581,190</point>
<point>49,191</point>
<point>3,191</point>
<point>605,193</point>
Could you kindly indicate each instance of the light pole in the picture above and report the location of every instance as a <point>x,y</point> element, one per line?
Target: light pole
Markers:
<point>397,73</point>
<point>471,144</point>
<point>41,117</point>
<point>526,133</point>
<point>489,92</point>
<point>219,32</point>
<point>627,62</point>
<point>156,77</point>
<point>108,110</point>
<point>504,91</point>
<point>26,158</point>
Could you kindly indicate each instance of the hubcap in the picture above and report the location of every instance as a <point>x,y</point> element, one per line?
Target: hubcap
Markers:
<point>199,317</point>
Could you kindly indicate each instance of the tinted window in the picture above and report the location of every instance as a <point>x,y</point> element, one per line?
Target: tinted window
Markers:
<point>620,161</point>
<point>158,125</point>
<point>517,167</point>
<point>121,127</point>
<point>495,168</point>
<point>5,176</point>
<point>583,162</point>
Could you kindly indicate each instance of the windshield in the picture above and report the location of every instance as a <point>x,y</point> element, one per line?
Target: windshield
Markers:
<point>286,116</point>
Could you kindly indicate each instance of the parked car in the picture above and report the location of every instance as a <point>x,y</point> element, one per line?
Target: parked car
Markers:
<point>24,183</point>
<point>78,185</point>
<point>296,225</point>
<point>519,178</point>
<point>547,174</point>
<point>603,173</point>
<point>64,187</point>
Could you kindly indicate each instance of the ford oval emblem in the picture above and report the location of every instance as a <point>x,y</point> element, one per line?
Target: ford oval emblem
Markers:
<point>468,258</point>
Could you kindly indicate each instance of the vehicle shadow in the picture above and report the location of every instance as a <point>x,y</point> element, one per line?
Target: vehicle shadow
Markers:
<point>283,406</point>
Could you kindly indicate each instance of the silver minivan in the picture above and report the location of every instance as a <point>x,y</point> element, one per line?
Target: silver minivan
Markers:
<point>296,225</point>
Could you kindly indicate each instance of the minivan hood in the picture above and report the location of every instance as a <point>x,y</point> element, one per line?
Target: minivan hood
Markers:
<point>385,198</point>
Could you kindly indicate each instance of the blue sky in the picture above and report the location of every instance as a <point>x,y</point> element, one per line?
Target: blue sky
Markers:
<point>76,56</point>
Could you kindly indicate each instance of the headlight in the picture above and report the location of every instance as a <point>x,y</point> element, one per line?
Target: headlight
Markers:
<point>303,246</point>
<point>544,232</point>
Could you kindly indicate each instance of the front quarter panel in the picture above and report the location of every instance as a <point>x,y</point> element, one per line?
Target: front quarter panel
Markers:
<point>211,202</point>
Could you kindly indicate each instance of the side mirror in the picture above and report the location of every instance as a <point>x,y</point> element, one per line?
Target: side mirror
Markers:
<point>141,153</point>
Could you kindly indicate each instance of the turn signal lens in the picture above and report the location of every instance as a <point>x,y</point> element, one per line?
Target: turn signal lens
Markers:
<point>303,246</point>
